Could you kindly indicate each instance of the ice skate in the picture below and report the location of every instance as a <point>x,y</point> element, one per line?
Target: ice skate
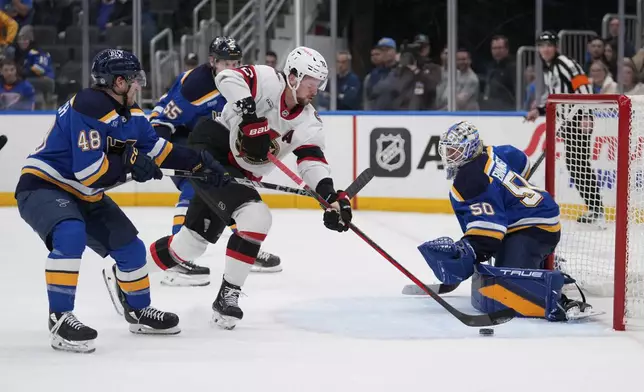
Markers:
<point>266,262</point>
<point>67,333</point>
<point>186,274</point>
<point>226,308</point>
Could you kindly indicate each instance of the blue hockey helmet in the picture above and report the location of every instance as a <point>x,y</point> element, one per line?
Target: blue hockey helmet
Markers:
<point>111,63</point>
<point>225,48</point>
<point>459,144</point>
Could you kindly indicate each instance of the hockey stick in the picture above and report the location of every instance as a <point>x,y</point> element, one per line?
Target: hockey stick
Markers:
<point>3,141</point>
<point>352,190</point>
<point>441,288</point>
<point>480,320</point>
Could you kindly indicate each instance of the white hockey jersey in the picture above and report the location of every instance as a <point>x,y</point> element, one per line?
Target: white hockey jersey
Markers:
<point>300,129</point>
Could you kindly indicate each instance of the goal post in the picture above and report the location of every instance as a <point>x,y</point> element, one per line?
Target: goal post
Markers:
<point>595,171</point>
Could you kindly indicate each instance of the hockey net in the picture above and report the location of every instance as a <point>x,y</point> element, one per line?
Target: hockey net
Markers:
<point>596,173</point>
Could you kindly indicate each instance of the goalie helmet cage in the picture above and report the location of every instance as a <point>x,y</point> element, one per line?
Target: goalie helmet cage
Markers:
<point>594,162</point>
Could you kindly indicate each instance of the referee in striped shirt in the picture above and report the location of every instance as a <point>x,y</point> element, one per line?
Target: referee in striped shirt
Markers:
<point>563,75</point>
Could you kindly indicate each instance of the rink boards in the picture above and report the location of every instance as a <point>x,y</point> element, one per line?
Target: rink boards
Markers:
<point>400,147</point>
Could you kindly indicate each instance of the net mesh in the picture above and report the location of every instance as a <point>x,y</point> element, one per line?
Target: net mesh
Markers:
<point>586,160</point>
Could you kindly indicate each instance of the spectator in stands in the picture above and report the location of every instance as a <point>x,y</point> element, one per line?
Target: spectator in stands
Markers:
<point>20,10</point>
<point>376,61</point>
<point>348,86</point>
<point>191,61</point>
<point>8,30</point>
<point>601,80</point>
<point>375,97</point>
<point>613,34</point>
<point>500,77</point>
<point>467,84</point>
<point>36,67</point>
<point>406,87</point>
<point>610,54</point>
<point>271,59</point>
<point>15,93</point>
<point>632,85</point>
<point>529,78</point>
<point>596,49</point>
<point>431,70</point>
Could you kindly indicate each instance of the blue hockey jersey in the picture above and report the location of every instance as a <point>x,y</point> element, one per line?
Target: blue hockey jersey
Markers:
<point>193,95</point>
<point>491,197</point>
<point>82,151</point>
<point>18,96</point>
<point>38,63</point>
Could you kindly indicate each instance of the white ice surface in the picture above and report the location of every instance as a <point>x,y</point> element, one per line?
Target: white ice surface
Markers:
<point>333,320</point>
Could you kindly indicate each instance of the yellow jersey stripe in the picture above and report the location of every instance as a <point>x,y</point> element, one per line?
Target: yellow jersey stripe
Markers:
<point>178,220</point>
<point>109,117</point>
<point>550,228</point>
<point>65,187</point>
<point>184,76</point>
<point>205,98</point>
<point>164,154</point>
<point>489,162</point>
<point>99,173</point>
<point>486,233</point>
<point>457,195</point>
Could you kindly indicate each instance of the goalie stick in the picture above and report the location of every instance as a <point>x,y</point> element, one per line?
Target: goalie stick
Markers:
<point>479,320</point>
<point>440,288</point>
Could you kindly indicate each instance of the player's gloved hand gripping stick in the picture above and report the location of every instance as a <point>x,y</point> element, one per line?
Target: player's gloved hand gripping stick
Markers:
<point>481,320</point>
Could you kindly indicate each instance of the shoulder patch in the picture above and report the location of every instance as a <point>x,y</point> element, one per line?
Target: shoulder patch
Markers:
<point>95,104</point>
<point>199,85</point>
<point>317,115</point>
<point>471,179</point>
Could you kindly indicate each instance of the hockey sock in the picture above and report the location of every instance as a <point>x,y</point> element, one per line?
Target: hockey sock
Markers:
<point>132,274</point>
<point>180,209</point>
<point>240,256</point>
<point>63,264</point>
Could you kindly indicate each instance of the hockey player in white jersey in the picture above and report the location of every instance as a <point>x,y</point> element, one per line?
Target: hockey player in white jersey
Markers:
<point>267,111</point>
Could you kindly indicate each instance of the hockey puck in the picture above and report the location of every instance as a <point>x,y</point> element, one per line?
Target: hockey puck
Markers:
<point>486,332</point>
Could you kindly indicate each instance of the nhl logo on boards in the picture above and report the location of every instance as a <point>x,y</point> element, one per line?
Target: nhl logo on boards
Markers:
<point>390,152</point>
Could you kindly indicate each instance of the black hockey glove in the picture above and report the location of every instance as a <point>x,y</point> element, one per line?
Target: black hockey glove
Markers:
<point>216,174</point>
<point>141,166</point>
<point>339,216</point>
<point>255,138</point>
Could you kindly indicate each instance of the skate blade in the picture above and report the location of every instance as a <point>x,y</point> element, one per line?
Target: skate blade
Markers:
<point>141,329</point>
<point>225,322</point>
<point>181,280</point>
<point>80,347</point>
<point>258,269</point>
<point>110,283</point>
<point>579,317</point>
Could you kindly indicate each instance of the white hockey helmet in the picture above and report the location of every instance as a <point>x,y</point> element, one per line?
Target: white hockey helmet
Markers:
<point>303,61</point>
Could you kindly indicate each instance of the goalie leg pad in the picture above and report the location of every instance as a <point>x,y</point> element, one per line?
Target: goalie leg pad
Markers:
<point>452,262</point>
<point>530,292</point>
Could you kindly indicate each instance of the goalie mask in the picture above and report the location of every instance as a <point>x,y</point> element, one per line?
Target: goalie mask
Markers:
<point>458,145</point>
